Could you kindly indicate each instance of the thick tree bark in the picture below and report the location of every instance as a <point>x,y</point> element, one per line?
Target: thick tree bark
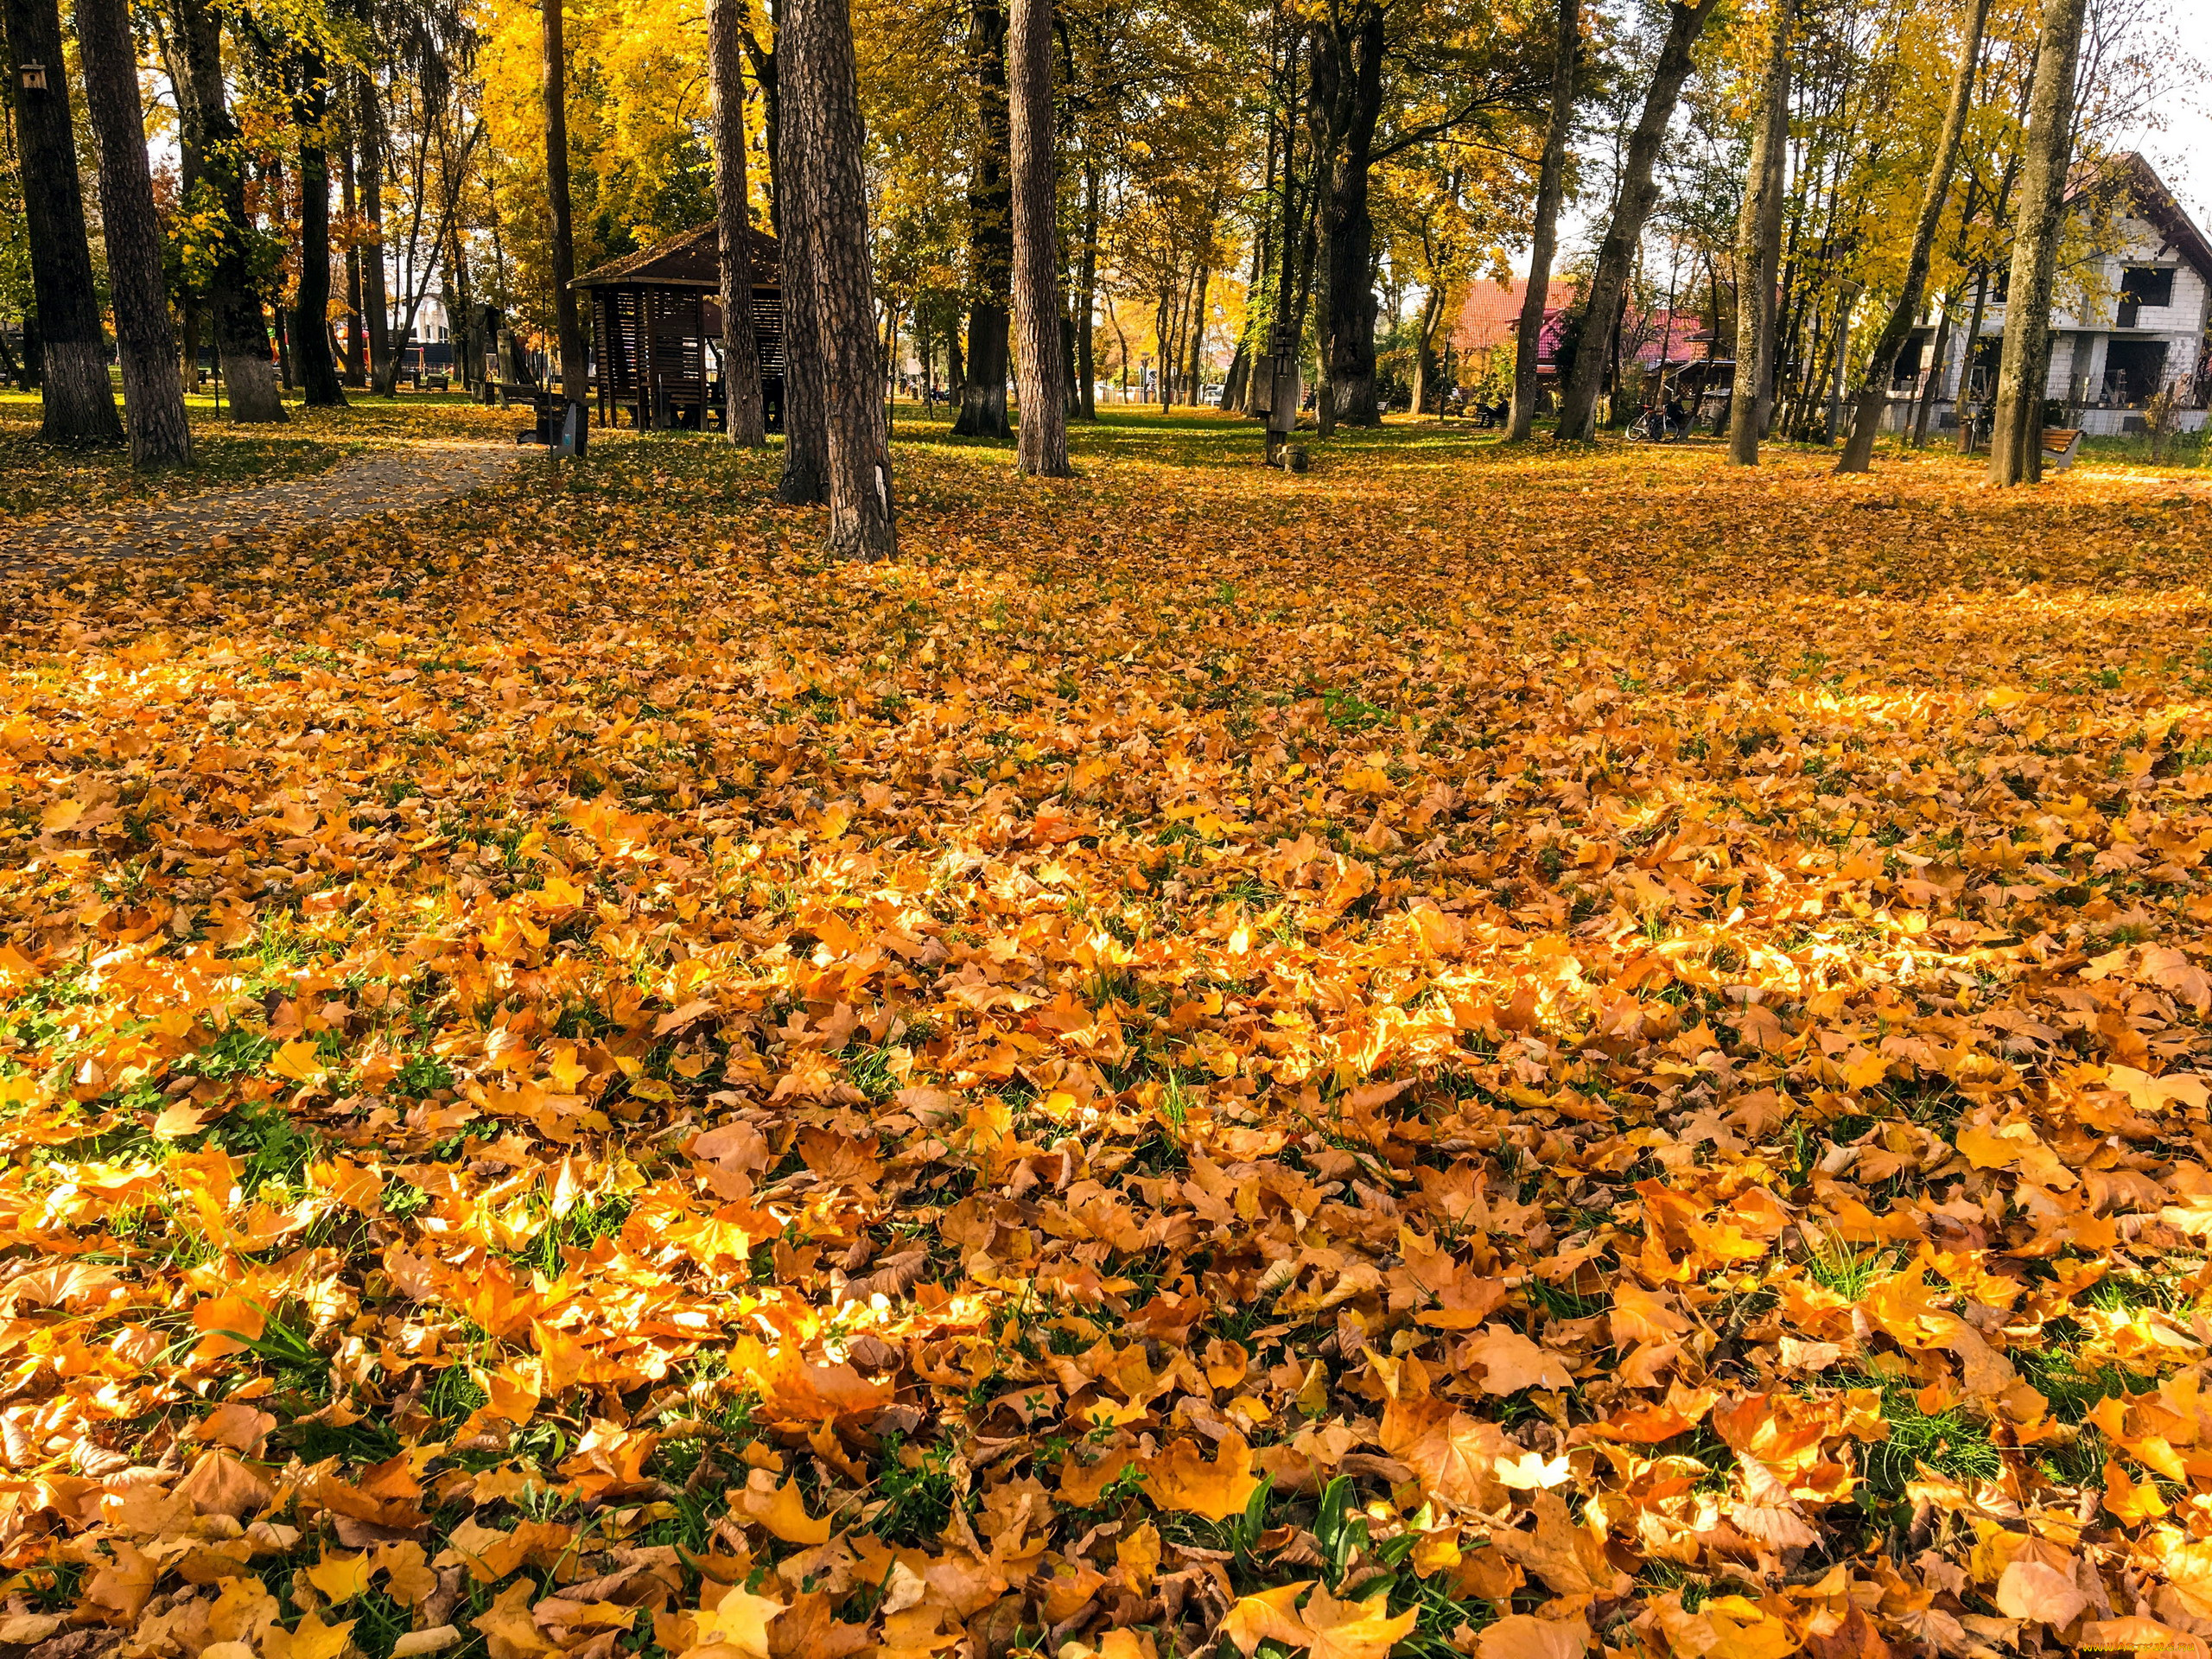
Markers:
<point>2016,441</point>
<point>1639,194</point>
<point>1543,242</point>
<point>240,325</point>
<point>76,406</point>
<point>806,441</point>
<point>153,396</point>
<point>318,366</point>
<point>569,322</point>
<point>1874,394</point>
<point>383,374</point>
<point>1347,54</point>
<point>1758,249</point>
<point>743,415</point>
<point>1041,445</point>
<point>990,232</point>
<point>822,113</point>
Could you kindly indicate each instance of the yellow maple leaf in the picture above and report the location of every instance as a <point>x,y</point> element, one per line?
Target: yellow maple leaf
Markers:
<point>1267,1615</point>
<point>341,1577</point>
<point>736,1625</point>
<point>313,1640</point>
<point>1353,1630</point>
<point>299,1061</point>
<point>1180,1478</point>
<point>782,1510</point>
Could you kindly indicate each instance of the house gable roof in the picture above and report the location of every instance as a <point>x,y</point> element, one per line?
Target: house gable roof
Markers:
<point>2153,203</point>
<point>689,259</point>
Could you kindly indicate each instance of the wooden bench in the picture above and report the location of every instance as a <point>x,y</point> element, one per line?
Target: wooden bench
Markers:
<point>2060,444</point>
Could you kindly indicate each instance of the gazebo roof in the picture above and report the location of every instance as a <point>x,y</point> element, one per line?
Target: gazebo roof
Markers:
<point>689,259</point>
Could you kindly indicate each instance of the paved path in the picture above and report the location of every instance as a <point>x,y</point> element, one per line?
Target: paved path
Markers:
<point>383,481</point>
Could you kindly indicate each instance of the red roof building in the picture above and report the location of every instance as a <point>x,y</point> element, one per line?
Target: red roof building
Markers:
<point>1490,317</point>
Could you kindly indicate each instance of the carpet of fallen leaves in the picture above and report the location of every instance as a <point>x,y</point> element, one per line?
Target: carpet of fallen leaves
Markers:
<point>1510,1055</point>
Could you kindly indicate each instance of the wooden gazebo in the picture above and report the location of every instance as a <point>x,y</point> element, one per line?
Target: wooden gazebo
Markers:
<point>657,330</point>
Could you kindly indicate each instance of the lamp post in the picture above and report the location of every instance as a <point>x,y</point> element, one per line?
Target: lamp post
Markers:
<point>1846,293</point>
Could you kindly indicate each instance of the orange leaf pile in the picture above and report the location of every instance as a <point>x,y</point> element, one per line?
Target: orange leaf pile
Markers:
<point>1208,1057</point>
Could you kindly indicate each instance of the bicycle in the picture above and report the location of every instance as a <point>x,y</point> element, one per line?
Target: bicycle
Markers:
<point>1658,425</point>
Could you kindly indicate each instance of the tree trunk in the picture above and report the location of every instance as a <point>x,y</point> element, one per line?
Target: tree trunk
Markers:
<point>990,232</point>
<point>806,441</point>
<point>1433,305</point>
<point>1041,444</point>
<point>569,322</point>
<point>1347,93</point>
<point>241,327</point>
<point>383,374</point>
<point>76,406</point>
<point>1639,194</point>
<point>1551,189</point>
<point>744,418</point>
<point>2016,441</point>
<point>311,331</point>
<point>1086,299</point>
<point>1874,394</point>
<point>1758,249</point>
<point>1932,387</point>
<point>763,59</point>
<point>1967,353</point>
<point>153,394</point>
<point>357,344</point>
<point>822,111</point>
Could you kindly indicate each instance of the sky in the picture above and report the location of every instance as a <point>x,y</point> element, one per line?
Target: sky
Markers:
<point>2183,153</point>
<point>2181,149</point>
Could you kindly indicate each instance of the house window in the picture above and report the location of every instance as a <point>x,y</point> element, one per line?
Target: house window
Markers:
<point>2134,371</point>
<point>2146,285</point>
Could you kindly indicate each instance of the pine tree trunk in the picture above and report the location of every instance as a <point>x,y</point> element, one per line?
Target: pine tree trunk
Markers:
<point>317,367</point>
<point>1551,190</point>
<point>568,323</point>
<point>1874,394</point>
<point>1639,194</point>
<point>822,112</point>
<point>806,441</point>
<point>76,404</point>
<point>990,232</point>
<point>2016,441</point>
<point>744,417</point>
<point>153,394</point>
<point>1758,248</point>
<point>1041,444</point>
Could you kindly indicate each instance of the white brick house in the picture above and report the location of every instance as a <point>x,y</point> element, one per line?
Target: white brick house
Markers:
<point>2138,321</point>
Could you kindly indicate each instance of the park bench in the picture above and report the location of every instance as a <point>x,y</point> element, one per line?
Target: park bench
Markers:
<point>2060,444</point>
